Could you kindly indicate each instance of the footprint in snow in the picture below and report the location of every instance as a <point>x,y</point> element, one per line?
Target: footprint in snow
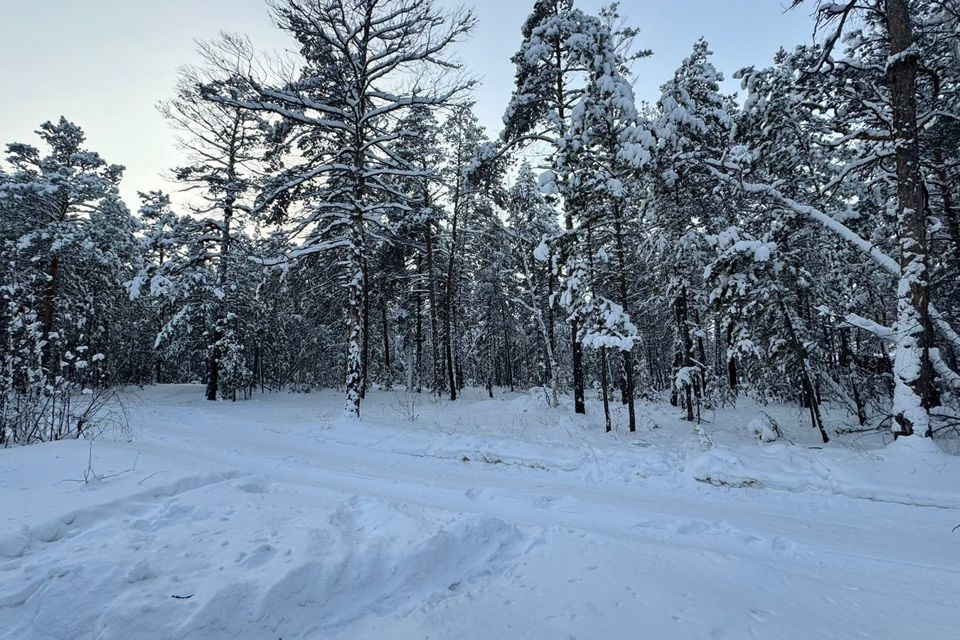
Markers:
<point>14,546</point>
<point>254,484</point>
<point>260,556</point>
<point>545,502</point>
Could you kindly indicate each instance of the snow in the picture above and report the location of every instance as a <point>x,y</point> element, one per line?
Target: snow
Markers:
<point>480,519</point>
<point>764,428</point>
<point>542,252</point>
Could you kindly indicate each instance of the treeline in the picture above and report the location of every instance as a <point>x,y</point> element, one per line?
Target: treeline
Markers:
<point>348,225</point>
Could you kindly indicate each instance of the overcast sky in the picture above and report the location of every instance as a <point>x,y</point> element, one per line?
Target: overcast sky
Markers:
<point>105,63</point>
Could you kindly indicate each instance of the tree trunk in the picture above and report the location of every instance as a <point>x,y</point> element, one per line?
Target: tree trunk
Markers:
<point>355,320</point>
<point>365,351</point>
<point>576,349</point>
<point>418,341</point>
<point>551,322</point>
<point>507,347</point>
<point>949,210</point>
<point>437,380</point>
<point>222,309</point>
<point>603,387</point>
<point>806,375</point>
<point>49,306</point>
<point>685,343</point>
<point>732,376</point>
<point>551,368</point>
<point>626,361</point>
<point>448,313</point>
<point>845,362</point>
<point>915,391</point>
<point>579,406</point>
<point>388,373</point>
<point>213,376</point>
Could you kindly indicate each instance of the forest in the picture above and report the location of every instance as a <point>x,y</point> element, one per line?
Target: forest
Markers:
<point>342,221</point>
<point>360,367</point>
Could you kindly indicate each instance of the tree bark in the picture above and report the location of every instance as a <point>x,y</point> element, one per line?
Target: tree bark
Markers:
<point>388,374</point>
<point>915,392</point>
<point>579,404</point>
<point>365,351</point>
<point>418,340</point>
<point>437,381</point>
<point>732,376</point>
<point>448,303</point>
<point>355,319</point>
<point>685,343</point>
<point>608,425</point>
<point>49,306</point>
<point>626,357</point>
<point>806,375</point>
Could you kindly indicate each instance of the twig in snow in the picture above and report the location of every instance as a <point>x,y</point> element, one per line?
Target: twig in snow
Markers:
<point>155,473</point>
<point>89,475</point>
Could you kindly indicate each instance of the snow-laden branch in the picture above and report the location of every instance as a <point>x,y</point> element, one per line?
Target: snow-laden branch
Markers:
<point>888,264</point>
<point>876,253</point>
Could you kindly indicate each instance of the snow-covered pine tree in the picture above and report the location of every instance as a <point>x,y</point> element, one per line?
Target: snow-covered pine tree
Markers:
<point>158,243</point>
<point>340,106</point>
<point>694,122</point>
<point>599,160</point>
<point>784,137</point>
<point>492,336</point>
<point>67,247</point>
<point>531,220</point>
<point>224,146</point>
<point>462,138</point>
<point>548,83</point>
<point>416,227</point>
<point>884,49</point>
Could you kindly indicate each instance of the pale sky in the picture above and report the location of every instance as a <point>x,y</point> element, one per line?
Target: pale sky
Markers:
<point>105,63</point>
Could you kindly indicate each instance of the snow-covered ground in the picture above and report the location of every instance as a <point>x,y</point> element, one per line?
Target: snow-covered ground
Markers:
<point>484,519</point>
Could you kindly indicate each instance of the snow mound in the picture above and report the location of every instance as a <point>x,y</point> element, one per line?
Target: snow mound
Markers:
<point>912,471</point>
<point>227,560</point>
<point>764,429</point>
<point>375,578</point>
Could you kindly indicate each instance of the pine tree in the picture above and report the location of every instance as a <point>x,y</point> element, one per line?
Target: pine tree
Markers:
<point>223,144</point>
<point>694,122</point>
<point>886,47</point>
<point>344,98</point>
<point>67,247</point>
<point>548,84</point>
<point>463,138</point>
<point>531,221</point>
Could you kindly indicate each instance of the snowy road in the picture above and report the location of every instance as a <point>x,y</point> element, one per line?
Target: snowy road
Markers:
<point>270,519</point>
